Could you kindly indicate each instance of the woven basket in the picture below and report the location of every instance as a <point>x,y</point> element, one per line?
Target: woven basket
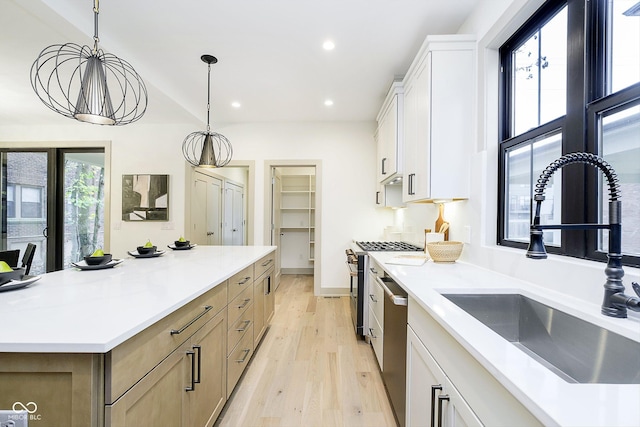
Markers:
<point>444,251</point>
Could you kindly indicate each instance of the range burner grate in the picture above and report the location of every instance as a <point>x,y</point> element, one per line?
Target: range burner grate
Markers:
<point>388,246</point>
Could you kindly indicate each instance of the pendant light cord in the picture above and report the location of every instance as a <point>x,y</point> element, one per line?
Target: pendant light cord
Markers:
<point>96,11</point>
<point>208,96</point>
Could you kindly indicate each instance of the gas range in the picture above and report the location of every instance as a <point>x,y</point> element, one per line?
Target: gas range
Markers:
<point>388,246</point>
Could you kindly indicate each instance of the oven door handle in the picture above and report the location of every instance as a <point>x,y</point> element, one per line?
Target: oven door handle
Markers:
<point>396,299</point>
<point>351,267</point>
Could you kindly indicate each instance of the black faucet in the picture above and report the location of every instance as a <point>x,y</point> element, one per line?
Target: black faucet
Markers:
<point>615,303</point>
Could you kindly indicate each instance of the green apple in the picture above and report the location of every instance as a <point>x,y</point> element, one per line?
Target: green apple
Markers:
<point>4,267</point>
<point>182,239</point>
<point>98,252</point>
<point>148,244</point>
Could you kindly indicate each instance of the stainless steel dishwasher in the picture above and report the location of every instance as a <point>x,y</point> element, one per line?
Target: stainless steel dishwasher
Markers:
<point>394,351</point>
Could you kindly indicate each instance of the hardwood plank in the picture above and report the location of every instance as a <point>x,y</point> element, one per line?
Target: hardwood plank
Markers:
<point>310,370</point>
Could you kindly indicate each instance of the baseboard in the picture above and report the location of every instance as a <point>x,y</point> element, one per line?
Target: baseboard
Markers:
<point>296,271</point>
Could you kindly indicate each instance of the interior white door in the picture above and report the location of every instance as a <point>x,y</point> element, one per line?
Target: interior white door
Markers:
<point>233,217</point>
<point>214,223</point>
<point>205,210</point>
<point>238,216</point>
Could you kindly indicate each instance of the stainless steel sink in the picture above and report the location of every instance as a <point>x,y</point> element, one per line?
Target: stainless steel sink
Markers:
<point>576,350</point>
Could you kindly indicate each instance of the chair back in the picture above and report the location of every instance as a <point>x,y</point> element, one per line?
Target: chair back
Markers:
<point>10,257</point>
<point>27,258</point>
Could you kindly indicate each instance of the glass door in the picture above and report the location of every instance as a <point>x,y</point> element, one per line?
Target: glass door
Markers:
<point>83,216</point>
<point>25,211</point>
<point>53,198</point>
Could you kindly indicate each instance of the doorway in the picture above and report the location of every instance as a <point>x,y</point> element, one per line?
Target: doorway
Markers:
<point>55,199</point>
<point>294,221</point>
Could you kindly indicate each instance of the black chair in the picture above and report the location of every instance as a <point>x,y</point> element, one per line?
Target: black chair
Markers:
<point>27,258</point>
<point>10,257</point>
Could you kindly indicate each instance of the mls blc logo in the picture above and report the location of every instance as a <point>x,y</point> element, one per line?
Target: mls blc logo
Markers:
<point>30,407</point>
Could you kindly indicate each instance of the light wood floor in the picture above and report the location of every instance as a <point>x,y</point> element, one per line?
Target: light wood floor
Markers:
<point>310,370</point>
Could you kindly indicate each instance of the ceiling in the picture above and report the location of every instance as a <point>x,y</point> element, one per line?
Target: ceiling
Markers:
<point>270,54</point>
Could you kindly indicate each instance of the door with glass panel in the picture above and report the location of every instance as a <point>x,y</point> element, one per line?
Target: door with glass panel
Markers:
<point>53,198</point>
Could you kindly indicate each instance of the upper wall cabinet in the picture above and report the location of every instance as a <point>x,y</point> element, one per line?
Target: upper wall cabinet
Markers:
<point>389,139</point>
<point>438,116</point>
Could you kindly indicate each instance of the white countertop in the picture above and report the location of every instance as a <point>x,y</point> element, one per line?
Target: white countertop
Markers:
<point>73,311</point>
<point>551,399</point>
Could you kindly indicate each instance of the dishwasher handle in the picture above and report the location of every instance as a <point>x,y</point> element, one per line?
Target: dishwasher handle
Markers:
<point>395,299</point>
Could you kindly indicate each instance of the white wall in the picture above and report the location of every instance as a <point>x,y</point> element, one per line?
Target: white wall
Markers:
<point>347,155</point>
<point>346,150</point>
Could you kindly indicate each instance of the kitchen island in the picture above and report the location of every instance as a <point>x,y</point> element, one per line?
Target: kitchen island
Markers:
<point>97,341</point>
<point>491,381</point>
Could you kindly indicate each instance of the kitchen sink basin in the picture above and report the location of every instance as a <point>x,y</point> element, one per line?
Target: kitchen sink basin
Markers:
<point>576,350</point>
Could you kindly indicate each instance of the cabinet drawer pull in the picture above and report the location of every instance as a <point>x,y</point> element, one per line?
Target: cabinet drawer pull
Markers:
<point>377,197</point>
<point>433,403</point>
<point>384,172</point>
<point>371,334</point>
<point>246,352</point>
<point>372,298</point>
<point>244,304</point>
<point>199,351</point>
<point>181,330</point>
<point>267,262</point>
<point>193,371</point>
<point>441,398</point>
<point>244,328</point>
<point>411,189</point>
<point>245,280</point>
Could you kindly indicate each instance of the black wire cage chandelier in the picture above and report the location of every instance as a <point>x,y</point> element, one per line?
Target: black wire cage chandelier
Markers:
<point>207,149</point>
<point>87,84</point>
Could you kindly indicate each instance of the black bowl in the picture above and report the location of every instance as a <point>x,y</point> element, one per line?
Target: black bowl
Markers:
<point>180,244</point>
<point>144,251</point>
<point>97,260</point>
<point>16,274</point>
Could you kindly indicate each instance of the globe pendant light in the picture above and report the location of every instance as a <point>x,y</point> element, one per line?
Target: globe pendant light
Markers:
<point>207,149</point>
<point>88,84</point>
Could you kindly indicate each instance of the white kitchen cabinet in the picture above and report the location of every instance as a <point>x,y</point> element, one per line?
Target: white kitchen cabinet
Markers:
<point>375,298</point>
<point>389,135</point>
<point>475,397</point>
<point>438,115</point>
<point>431,398</point>
<point>389,196</point>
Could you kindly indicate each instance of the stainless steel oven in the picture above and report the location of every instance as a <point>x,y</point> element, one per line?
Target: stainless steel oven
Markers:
<point>358,263</point>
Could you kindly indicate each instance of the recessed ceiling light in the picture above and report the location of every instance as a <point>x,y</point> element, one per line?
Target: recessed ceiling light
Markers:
<point>328,103</point>
<point>328,45</point>
<point>236,104</point>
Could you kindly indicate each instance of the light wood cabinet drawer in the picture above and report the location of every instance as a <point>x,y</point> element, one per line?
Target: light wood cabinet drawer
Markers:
<point>240,281</point>
<point>264,264</point>
<point>131,360</point>
<point>239,305</point>
<point>239,328</point>
<point>239,359</point>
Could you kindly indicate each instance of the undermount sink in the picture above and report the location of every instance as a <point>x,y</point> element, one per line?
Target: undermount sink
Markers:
<point>576,350</point>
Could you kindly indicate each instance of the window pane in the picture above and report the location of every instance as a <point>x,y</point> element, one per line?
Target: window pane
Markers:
<point>525,163</point>
<point>31,206</point>
<point>540,75</point>
<point>620,147</point>
<point>625,44</point>
<point>11,201</point>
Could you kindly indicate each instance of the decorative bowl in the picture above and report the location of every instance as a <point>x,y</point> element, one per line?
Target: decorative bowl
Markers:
<point>16,274</point>
<point>180,244</point>
<point>143,251</point>
<point>97,260</point>
<point>444,251</point>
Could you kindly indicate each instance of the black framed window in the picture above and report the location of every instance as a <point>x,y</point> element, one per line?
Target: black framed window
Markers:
<point>570,81</point>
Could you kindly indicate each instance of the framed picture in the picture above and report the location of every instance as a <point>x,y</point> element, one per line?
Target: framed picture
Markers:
<point>145,197</point>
